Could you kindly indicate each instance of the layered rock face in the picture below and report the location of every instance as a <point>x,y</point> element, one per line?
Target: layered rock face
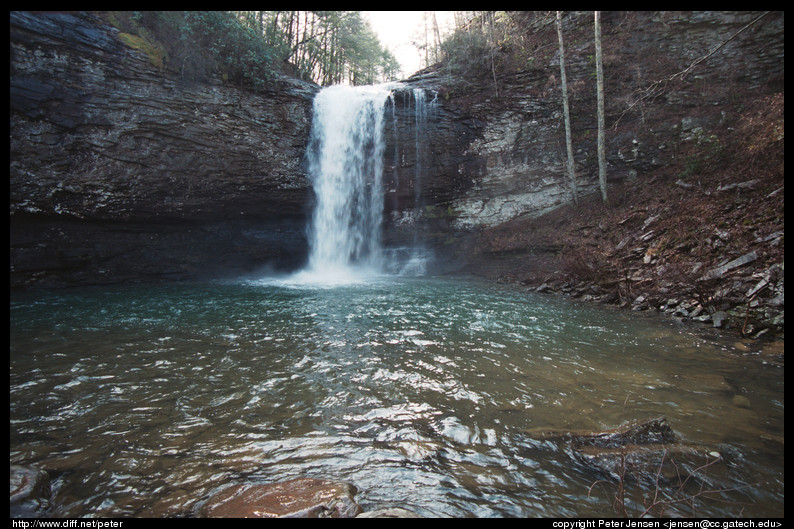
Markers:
<point>120,170</point>
<point>672,78</point>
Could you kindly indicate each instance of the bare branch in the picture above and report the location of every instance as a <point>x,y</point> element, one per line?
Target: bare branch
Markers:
<point>657,88</point>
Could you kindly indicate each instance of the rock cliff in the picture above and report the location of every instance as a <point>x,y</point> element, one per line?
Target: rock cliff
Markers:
<point>672,79</point>
<point>694,115</point>
<point>121,170</point>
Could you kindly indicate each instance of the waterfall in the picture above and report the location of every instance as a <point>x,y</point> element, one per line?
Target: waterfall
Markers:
<point>345,156</point>
<point>346,163</point>
<point>396,151</point>
<point>418,256</point>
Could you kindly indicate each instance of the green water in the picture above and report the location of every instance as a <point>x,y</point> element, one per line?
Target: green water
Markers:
<point>143,400</point>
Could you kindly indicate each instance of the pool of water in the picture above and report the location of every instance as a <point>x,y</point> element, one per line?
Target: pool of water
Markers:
<point>423,393</point>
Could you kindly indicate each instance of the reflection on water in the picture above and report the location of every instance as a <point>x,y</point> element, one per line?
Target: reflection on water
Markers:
<point>140,401</point>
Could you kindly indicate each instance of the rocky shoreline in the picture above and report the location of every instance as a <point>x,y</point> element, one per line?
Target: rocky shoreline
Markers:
<point>756,319</point>
<point>713,255</point>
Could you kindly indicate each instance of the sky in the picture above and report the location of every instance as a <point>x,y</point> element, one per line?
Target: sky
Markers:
<point>395,30</point>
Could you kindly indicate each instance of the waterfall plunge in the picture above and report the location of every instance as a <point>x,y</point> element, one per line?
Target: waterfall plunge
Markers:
<point>345,155</point>
<point>346,165</point>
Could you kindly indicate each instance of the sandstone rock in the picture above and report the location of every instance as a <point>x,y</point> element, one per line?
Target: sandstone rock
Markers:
<point>298,498</point>
<point>119,170</point>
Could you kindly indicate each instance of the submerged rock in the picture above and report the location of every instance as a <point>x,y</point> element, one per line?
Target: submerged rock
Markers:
<point>30,492</point>
<point>297,498</point>
<point>655,430</point>
<point>670,463</point>
<point>741,401</point>
<point>392,512</point>
<point>640,450</point>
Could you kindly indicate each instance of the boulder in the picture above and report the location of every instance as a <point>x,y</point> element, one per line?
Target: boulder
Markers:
<point>297,498</point>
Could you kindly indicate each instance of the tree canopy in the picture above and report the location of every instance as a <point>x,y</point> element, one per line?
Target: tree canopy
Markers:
<point>326,47</point>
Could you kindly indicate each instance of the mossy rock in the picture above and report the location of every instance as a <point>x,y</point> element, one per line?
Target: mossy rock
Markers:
<point>154,52</point>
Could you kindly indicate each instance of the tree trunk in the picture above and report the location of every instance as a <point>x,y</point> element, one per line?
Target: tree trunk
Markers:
<point>602,164</point>
<point>566,112</point>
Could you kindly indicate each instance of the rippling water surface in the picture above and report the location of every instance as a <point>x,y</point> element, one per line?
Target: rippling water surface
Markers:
<point>424,393</point>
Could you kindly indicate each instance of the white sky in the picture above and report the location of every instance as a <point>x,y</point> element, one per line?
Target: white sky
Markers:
<point>396,29</point>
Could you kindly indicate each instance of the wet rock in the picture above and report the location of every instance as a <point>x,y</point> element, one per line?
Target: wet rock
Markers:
<point>641,302</point>
<point>741,401</point>
<point>642,450</point>
<point>610,297</point>
<point>740,261</point>
<point>298,498</point>
<point>543,288</point>
<point>30,492</point>
<point>702,318</point>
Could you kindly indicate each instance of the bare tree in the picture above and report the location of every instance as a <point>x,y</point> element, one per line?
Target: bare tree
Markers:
<point>437,38</point>
<point>602,164</point>
<point>566,112</point>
